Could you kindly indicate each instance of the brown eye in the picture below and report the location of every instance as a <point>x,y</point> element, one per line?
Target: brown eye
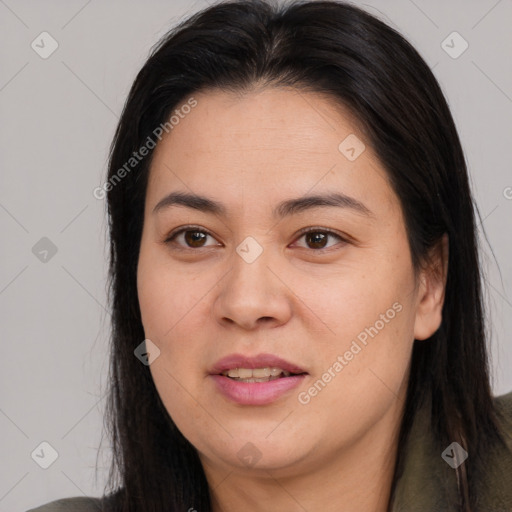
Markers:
<point>317,239</point>
<point>193,238</point>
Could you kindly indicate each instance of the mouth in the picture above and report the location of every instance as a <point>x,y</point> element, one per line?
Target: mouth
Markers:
<point>256,381</point>
<point>262,366</point>
<point>265,374</point>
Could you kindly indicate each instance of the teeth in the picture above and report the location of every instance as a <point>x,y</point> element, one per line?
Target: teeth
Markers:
<point>244,373</point>
<point>264,379</point>
<point>261,372</point>
<point>256,373</point>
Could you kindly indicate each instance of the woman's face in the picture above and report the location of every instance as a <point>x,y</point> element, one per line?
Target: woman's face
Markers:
<point>342,308</point>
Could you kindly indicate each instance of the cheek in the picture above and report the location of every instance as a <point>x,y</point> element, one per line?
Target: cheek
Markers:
<point>363,377</point>
<point>168,294</point>
<point>171,302</point>
<point>167,317</point>
<point>365,355</point>
<point>360,298</point>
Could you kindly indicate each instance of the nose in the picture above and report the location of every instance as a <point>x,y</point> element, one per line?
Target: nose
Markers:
<point>252,295</point>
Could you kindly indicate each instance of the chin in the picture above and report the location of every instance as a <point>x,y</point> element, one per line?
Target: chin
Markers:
<point>256,452</point>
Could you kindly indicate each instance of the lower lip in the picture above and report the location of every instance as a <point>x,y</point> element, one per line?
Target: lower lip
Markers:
<point>256,393</point>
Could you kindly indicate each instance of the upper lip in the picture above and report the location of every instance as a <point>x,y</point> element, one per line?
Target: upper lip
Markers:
<point>258,361</point>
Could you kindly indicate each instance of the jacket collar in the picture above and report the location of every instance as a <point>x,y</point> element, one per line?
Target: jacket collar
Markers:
<point>428,483</point>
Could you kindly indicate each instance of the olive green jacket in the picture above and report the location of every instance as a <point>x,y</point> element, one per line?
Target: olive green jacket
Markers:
<point>428,482</point>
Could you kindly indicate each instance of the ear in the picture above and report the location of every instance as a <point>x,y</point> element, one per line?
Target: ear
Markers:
<point>432,291</point>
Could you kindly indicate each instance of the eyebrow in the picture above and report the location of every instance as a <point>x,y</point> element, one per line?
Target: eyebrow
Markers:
<point>283,209</point>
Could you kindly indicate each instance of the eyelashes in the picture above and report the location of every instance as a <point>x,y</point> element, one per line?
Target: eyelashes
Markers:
<point>187,229</point>
<point>172,238</point>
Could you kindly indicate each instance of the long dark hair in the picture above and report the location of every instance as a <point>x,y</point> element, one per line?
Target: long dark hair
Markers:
<point>369,68</point>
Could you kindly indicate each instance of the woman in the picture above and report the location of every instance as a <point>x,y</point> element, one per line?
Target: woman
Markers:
<point>297,308</point>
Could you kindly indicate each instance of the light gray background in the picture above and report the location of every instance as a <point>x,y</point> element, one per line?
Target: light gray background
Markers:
<point>58,118</point>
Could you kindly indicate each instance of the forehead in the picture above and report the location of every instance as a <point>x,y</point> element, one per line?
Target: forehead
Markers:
<point>277,119</point>
<point>270,140</point>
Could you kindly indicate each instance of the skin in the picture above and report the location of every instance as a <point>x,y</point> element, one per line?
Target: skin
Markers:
<point>249,152</point>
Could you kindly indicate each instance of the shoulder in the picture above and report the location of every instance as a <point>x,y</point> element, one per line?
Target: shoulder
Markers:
<point>79,504</point>
<point>501,459</point>
<point>504,406</point>
<point>428,482</point>
<point>495,478</point>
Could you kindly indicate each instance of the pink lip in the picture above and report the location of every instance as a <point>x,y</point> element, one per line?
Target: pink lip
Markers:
<point>259,361</point>
<point>255,393</point>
